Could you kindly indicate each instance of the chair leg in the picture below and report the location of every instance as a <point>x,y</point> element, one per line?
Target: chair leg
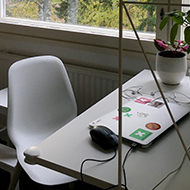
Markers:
<point>15,176</point>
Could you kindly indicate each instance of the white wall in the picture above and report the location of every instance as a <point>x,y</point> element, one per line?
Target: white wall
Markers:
<point>93,51</point>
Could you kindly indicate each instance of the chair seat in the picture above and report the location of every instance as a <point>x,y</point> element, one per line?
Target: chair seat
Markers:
<point>38,173</point>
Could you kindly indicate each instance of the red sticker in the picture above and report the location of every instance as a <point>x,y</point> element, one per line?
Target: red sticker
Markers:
<point>153,126</point>
<point>143,100</point>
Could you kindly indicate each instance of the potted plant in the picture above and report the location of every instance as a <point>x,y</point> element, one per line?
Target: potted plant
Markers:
<point>171,61</point>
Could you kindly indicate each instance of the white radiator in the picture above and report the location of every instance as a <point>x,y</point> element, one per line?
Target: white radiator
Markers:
<point>89,85</point>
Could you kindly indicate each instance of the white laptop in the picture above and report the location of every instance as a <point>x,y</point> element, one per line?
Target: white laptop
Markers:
<point>142,119</point>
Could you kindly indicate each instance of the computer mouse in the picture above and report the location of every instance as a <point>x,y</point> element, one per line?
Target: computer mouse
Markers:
<point>104,137</point>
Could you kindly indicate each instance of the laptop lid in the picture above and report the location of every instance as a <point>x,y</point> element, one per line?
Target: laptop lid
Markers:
<point>143,120</point>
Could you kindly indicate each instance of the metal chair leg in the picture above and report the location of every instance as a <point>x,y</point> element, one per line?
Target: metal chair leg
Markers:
<point>15,176</point>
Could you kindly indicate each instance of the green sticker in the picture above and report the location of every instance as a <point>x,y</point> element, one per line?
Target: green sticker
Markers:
<point>141,134</point>
<point>128,115</point>
<point>125,109</point>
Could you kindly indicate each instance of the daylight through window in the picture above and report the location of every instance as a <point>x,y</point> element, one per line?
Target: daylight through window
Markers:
<point>96,13</point>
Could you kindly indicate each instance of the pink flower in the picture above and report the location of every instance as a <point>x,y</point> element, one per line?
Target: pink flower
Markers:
<point>182,49</point>
<point>186,47</point>
<point>162,44</point>
<point>180,42</point>
<point>178,46</point>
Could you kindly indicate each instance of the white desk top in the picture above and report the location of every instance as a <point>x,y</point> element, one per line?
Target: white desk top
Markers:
<point>68,147</point>
<point>3,101</point>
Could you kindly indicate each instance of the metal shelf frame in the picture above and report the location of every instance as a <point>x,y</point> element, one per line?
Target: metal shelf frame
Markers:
<point>122,6</point>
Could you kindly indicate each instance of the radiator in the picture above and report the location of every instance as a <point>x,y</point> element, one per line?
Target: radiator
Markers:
<point>89,85</point>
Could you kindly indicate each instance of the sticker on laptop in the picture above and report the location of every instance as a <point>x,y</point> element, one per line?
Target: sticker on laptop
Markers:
<point>116,118</point>
<point>125,109</point>
<point>142,114</point>
<point>143,100</point>
<point>127,115</point>
<point>155,104</point>
<point>153,126</point>
<point>141,134</point>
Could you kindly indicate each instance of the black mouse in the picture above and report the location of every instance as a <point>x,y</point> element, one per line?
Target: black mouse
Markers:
<point>104,137</point>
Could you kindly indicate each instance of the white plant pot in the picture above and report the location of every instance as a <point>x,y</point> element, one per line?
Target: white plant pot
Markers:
<point>171,70</point>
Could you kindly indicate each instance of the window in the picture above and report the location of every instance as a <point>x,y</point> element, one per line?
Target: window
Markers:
<point>98,14</point>
<point>45,28</point>
<point>94,13</point>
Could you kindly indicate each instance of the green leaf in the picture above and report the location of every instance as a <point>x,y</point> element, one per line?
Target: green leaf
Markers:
<point>187,35</point>
<point>176,13</point>
<point>173,33</point>
<point>188,18</point>
<point>182,13</point>
<point>188,50</point>
<point>163,23</point>
<point>172,13</point>
<point>178,20</point>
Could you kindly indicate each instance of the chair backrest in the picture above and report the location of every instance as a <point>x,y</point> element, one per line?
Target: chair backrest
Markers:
<point>40,99</point>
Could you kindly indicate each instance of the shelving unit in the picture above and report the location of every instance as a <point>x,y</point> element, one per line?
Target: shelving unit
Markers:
<point>121,7</point>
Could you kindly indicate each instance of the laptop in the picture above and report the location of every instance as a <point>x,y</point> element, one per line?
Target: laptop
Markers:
<point>143,119</point>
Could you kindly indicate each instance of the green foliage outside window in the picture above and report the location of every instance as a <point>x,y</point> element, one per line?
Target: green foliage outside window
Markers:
<point>97,13</point>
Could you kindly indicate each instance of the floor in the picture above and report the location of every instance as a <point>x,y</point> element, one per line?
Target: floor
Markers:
<point>27,184</point>
<point>4,180</point>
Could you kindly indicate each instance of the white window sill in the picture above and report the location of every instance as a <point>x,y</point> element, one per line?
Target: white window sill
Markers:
<point>148,36</point>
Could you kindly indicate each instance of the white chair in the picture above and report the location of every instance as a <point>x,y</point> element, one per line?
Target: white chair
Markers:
<point>40,101</point>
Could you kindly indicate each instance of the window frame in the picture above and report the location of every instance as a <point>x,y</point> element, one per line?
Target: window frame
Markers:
<point>94,41</point>
<point>92,32</point>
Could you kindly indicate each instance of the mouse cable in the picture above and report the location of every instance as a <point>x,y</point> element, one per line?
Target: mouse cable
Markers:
<point>133,146</point>
<point>95,160</point>
<point>176,170</point>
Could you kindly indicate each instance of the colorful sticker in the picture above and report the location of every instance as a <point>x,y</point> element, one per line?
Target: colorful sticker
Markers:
<point>126,109</point>
<point>156,104</point>
<point>116,118</point>
<point>153,126</point>
<point>141,134</point>
<point>128,115</point>
<point>143,100</point>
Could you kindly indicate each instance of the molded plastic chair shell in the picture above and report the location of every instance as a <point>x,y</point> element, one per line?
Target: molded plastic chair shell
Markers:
<point>40,101</point>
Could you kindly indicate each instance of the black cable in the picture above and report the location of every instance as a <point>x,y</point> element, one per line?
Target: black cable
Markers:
<point>95,160</point>
<point>123,167</point>
<point>133,146</point>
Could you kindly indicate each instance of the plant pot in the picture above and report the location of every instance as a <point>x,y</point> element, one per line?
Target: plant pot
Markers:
<point>171,70</point>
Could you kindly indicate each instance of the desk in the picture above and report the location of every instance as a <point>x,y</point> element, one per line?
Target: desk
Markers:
<point>3,101</point>
<point>68,147</point>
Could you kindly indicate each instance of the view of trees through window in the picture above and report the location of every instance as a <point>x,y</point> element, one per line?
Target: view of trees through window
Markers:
<point>96,13</point>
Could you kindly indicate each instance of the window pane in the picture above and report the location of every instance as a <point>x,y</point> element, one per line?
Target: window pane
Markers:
<point>185,9</point>
<point>143,16</point>
<point>96,13</point>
